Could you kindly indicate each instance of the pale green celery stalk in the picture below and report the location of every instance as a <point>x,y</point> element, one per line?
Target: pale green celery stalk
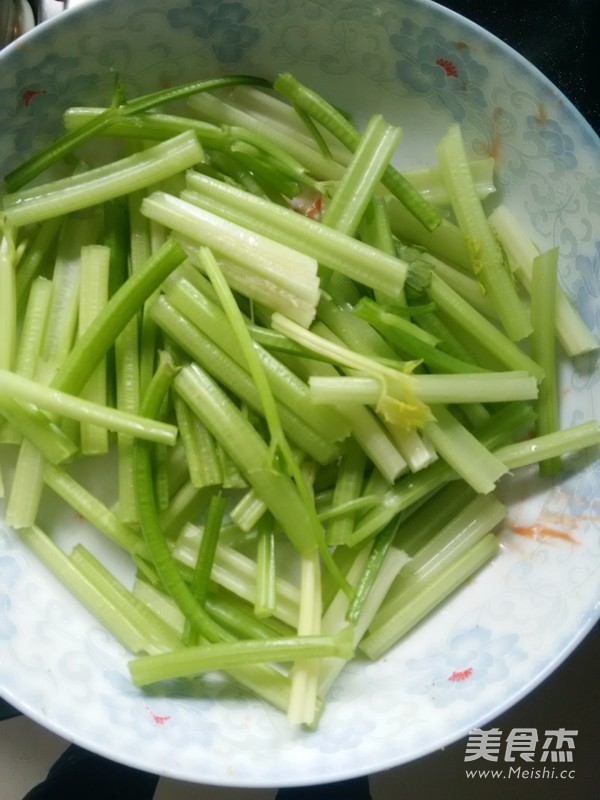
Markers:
<point>264,295</point>
<point>356,333</point>
<point>232,476</point>
<point>93,509</point>
<point>123,305</point>
<point>412,411</point>
<point>377,555</point>
<point>2,490</point>
<point>26,489</point>
<point>248,450</point>
<point>8,299</point>
<point>354,191</point>
<point>446,241</point>
<point>271,153</point>
<point>416,450</point>
<point>98,185</point>
<point>238,616</point>
<point>430,183</point>
<point>464,285</point>
<point>413,489</point>
<point>470,459</point>
<point>543,347</point>
<point>487,335</point>
<point>32,424</point>
<point>145,126</point>
<point>248,511</point>
<point>489,387</point>
<point>330,118</point>
<point>65,144</point>
<point>61,327</point>
<point>429,518</point>
<point>550,445</point>
<point>341,253</point>
<point>236,572</point>
<point>464,529</point>
<point>208,546</point>
<point>486,255</point>
<point>159,550</point>
<point>302,709</point>
<point>227,655</point>
<point>161,604</point>
<point>184,505</point>
<point>199,446</point>
<point>427,597</point>
<point>159,636</point>
<point>376,229</point>
<point>33,329</point>
<point>59,333</point>
<point>335,616</point>
<point>86,590</point>
<point>230,374</point>
<point>286,386</point>
<point>279,445</point>
<point>265,601</point>
<point>410,340</point>
<point>62,404</point>
<point>253,253</point>
<point>40,250</point>
<point>348,487</point>
<point>93,296</point>
<point>572,332</point>
<point>127,379</point>
<point>374,440</point>
<point>212,109</point>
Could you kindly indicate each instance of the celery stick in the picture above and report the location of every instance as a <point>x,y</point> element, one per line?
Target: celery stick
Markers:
<point>543,347</point>
<point>265,601</point>
<point>72,407</point>
<point>199,446</point>
<point>318,108</point>
<point>222,367</point>
<point>248,511</point>
<point>354,191</point>
<point>91,347</point>
<point>8,299</point>
<point>236,572</point>
<point>127,379</point>
<point>486,255</point>
<point>184,505</point>
<point>374,441</point>
<point>32,424</point>
<point>572,332</point>
<point>72,139</point>
<point>95,260</point>
<point>285,384</point>
<point>98,185</point>
<point>33,328</point>
<point>549,445</point>
<point>348,487</point>
<point>425,598</point>
<point>430,183</point>
<point>248,450</point>
<point>26,489</point>
<point>159,636</point>
<point>226,655</point>
<point>339,252</point>
<point>93,509</point>
<point>109,612</point>
<point>302,708</point>
<point>463,451</point>
<point>40,251</point>
<point>479,328</point>
<point>208,546</point>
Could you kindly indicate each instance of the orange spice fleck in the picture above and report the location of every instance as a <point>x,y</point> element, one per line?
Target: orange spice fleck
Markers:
<point>543,532</point>
<point>461,675</point>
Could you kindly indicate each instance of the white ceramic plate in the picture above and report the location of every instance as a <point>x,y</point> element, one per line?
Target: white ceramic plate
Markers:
<point>519,617</point>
